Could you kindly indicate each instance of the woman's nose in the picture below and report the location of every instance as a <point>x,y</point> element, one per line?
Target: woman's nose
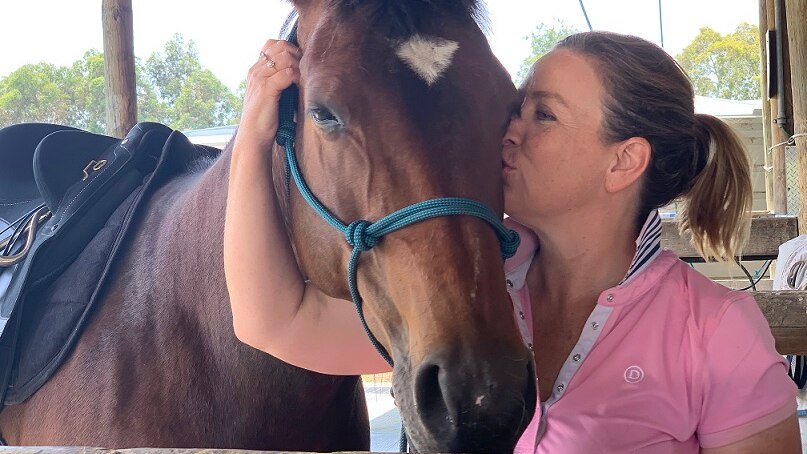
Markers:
<point>513,135</point>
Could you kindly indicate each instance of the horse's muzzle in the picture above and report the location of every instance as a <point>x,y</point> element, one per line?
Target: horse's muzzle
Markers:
<point>470,405</point>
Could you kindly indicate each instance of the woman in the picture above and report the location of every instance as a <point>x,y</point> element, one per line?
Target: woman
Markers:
<point>634,350</point>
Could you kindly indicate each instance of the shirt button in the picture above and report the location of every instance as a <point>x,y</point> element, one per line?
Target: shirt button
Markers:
<point>576,357</point>
<point>529,344</point>
<point>561,387</point>
<point>610,298</point>
<point>521,314</point>
<point>509,283</point>
<point>594,325</point>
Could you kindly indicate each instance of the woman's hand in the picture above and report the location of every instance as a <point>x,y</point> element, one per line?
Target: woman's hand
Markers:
<point>278,67</point>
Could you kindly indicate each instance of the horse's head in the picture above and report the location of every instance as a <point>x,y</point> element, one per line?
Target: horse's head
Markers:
<point>401,102</point>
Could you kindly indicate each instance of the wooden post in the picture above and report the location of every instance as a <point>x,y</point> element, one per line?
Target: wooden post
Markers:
<point>797,40</point>
<point>766,105</point>
<point>119,67</point>
<point>778,135</point>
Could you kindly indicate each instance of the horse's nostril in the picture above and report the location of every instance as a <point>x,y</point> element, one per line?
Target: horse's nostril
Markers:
<point>471,404</point>
<point>429,396</point>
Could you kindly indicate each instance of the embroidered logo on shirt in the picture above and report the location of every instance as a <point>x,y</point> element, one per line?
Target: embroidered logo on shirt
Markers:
<point>634,374</point>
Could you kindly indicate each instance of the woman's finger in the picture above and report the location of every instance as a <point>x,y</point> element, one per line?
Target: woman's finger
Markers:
<point>276,47</point>
<point>277,63</point>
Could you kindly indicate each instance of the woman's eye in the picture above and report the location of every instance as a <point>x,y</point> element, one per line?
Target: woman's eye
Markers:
<point>541,115</point>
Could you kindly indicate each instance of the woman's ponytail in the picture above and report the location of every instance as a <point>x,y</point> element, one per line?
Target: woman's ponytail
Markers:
<point>717,208</point>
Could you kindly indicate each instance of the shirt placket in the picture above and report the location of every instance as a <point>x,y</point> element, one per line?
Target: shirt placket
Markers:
<point>588,338</point>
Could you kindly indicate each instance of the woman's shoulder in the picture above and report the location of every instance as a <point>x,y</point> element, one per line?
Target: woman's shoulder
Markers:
<point>706,300</point>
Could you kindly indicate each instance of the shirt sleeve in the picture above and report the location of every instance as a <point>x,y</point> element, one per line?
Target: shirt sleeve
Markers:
<point>746,386</point>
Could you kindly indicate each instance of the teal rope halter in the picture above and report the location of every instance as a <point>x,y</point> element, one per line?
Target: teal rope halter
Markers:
<point>362,235</point>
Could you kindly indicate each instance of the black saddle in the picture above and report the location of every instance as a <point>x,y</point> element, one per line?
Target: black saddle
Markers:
<point>84,189</point>
<point>19,193</point>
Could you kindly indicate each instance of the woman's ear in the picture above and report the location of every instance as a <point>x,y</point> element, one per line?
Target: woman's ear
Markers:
<point>630,160</point>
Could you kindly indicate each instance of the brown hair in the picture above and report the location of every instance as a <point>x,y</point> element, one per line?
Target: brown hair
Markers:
<point>697,156</point>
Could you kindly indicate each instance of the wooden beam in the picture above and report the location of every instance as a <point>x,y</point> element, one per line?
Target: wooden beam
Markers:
<point>119,67</point>
<point>786,312</point>
<point>767,233</point>
<point>766,105</point>
<point>797,41</point>
<point>778,135</point>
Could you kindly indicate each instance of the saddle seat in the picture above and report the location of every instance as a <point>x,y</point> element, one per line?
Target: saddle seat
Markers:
<point>19,193</point>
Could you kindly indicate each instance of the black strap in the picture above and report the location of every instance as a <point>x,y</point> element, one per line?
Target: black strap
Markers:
<point>8,360</point>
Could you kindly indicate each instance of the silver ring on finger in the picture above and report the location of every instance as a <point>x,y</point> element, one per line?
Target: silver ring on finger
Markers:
<point>271,63</point>
<point>263,56</point>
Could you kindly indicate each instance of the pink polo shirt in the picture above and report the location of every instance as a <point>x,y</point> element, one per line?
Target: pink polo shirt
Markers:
<point>668,362</point>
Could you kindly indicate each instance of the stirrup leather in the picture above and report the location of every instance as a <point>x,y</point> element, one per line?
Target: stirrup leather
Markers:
<point>29,229</point>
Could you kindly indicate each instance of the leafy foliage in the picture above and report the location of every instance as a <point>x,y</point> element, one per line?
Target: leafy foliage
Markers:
<point>542,40</point>
<point>719,66</point>
<point>172,88</point>
<point>724,66</point>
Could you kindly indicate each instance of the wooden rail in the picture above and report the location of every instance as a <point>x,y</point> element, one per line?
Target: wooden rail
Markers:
<point>786,311</point>
<point>767,234</point>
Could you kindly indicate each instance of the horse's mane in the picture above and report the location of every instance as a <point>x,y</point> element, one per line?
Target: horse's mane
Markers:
<point>404,18</point>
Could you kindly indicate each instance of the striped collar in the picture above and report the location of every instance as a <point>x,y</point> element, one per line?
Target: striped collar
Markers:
<point>648,246</point>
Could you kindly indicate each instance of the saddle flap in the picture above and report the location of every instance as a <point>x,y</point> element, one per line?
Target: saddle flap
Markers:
<point>64,159</point>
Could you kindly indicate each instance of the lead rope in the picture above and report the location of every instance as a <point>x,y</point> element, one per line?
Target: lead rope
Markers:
<point>363,235</point>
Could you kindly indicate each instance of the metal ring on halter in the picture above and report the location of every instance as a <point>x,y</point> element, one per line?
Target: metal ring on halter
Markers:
<point>9,260</point>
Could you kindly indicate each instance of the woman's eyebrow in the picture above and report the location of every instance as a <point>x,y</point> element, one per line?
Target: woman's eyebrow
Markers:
<point>540,95</point>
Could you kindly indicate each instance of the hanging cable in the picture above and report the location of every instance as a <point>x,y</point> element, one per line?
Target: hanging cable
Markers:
<point>583,7</point>
<point>759,274</point>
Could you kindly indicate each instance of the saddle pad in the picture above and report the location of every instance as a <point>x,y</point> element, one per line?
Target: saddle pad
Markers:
<point>62,284</point>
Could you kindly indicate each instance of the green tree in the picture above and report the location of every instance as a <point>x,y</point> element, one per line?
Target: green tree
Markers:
<point>35,93</point>
<point>541,41</point>
<point>170,69</point>
<point>203,101</point>
<point>172,88</point>
<point>724,66</point>
<point>86,90</point>
<point>187,95</point>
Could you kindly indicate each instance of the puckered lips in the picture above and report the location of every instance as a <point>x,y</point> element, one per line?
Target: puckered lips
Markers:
<point>507,167</point>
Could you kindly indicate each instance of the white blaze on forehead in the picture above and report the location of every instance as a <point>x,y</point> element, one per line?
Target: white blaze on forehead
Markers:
<point>428,56</point>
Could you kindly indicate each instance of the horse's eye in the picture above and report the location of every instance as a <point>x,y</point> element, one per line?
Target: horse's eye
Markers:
<point>324,117</point>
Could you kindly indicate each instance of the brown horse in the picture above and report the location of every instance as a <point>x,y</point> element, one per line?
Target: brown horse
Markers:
<point>401,101</point>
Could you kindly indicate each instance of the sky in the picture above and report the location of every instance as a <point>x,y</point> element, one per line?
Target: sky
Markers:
<point>229,35</point>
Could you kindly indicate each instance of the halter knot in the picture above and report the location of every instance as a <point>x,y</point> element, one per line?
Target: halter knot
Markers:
<point>285,132</point>
<point>357,236</point>
<point>509,242</point>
